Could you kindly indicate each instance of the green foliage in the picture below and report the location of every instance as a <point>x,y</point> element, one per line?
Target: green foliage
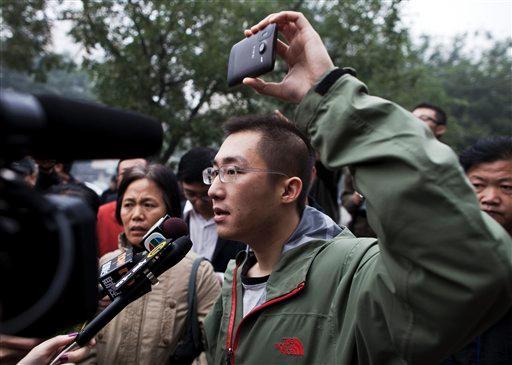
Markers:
<point>25,37</point>
<point>169,58</point>
<point>475,91</point>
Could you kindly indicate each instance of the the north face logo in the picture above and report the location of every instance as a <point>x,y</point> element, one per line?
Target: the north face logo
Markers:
<point>290,346</point>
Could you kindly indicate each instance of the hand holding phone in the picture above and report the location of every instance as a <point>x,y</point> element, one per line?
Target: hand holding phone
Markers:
<point>253,56</point>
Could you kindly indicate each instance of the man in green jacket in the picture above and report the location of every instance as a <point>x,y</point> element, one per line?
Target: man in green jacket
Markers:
<point>311,293</point>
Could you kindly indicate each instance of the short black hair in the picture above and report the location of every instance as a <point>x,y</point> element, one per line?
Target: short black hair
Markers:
<point>440,114</point>
<point>162,176</point>
<point>282,146</point>
<point>192,164</point>
<point>486,150</point>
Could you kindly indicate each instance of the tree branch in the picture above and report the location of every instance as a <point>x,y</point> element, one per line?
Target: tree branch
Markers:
<point>175,138</point>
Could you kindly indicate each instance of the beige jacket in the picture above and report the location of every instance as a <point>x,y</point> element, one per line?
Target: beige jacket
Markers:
<point>147,331</point>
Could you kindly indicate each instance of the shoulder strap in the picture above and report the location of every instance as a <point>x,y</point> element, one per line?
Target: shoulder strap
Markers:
<point>192,303</point>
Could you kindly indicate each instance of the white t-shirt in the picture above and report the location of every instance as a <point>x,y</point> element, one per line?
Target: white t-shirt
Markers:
<point>203,232</point>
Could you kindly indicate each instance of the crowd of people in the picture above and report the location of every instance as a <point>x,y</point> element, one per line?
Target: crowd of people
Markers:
<point>422,274</point>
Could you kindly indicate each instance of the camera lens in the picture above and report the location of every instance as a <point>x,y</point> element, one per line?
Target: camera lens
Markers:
<point>262,48</point>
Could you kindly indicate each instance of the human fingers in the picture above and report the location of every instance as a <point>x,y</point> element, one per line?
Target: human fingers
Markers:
<point>281,49</point>
<point>289,31</point>
<point>268,88</point>
<point>282,19</point>
<point>262,24</point>
<point>79,354</point>
<point>287,17</point>
<point>45,351</point>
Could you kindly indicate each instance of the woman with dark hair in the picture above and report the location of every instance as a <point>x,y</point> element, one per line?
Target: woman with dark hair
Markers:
<point>148,330</point>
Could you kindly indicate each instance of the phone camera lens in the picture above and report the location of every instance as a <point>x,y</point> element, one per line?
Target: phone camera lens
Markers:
<point>262,48</point>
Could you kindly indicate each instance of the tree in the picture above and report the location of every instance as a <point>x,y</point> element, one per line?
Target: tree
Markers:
<point>168,59</point>
<point>25,38</point>
<point>475,90</point>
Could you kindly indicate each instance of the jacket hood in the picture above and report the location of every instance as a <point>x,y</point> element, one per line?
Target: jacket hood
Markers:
<point>313,225</point>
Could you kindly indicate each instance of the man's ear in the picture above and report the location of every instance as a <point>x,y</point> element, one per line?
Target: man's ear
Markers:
<point>292,190</point>
<point>440,130</point>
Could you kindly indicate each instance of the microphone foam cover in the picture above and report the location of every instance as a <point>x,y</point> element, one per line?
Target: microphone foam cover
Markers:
<point>173,228</point>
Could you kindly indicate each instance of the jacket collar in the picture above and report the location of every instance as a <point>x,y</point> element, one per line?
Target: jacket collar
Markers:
<point>309,238</point>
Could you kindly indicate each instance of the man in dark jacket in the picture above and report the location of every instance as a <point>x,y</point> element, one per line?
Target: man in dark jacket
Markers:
<point>198,211</point>
<point>488,165</point>
<point>311,293</point>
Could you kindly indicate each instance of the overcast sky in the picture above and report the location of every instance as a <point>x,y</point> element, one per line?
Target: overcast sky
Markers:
<point>441,19</point>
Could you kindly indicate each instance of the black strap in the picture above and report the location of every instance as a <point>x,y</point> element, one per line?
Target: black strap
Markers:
<point>192,303</point>
<point>331,78</point>
<point>190,344</point>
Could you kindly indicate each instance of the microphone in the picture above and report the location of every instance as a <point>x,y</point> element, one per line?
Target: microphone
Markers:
<point>165,227</point>
<point>46,125</point>
<point>138,282</point>
<point>143,276</point>
<point>114,269</point>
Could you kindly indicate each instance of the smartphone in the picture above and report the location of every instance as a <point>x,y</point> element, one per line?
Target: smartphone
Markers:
<point>253,56</point>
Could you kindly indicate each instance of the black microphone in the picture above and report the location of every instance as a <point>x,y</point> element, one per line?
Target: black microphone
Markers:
<point>142,276</point>
<point>46,125</point>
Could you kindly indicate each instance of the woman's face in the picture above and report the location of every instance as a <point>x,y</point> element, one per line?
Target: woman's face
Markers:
<point>141,207</point>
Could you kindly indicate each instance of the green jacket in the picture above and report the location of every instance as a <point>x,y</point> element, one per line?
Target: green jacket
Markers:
<point>440,274</point>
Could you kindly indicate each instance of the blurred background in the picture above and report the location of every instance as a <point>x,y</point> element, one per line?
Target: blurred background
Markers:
<point>168,59</point>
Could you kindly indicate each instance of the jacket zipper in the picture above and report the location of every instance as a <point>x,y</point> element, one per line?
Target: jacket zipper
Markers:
<point>231,347</point>
<point>231,324</point>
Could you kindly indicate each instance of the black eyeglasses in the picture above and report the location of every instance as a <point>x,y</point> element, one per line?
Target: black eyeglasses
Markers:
<point>228,174</point>
<point>192,195</point>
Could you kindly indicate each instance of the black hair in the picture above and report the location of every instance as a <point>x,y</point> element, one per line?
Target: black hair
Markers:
<point>486,150</point>
<point>192,164</point>
<point>79,190</point>
<point>282,146</point>
<point>440,114</point>
<point>162,176</point>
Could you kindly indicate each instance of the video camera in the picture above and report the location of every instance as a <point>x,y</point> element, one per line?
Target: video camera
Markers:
<point>48,262</point>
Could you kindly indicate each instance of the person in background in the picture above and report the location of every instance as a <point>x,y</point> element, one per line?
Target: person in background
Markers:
<point>148,330</point>
<point>488,166</point>
<point>433,116</point>
<point>355,205</point>
<point>47,175</point>
<point>107,226</point>
<point>81,191</point>
<point>63,170</point>
<point>198,211</point>
<point>110,193</point>
<point>324,190</point>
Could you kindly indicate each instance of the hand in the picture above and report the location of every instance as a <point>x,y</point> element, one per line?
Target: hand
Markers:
<point>46,351</point>
<point>356,199</point>
<point>103,303</point>
<point>13,348</point>
<point>305,55</point>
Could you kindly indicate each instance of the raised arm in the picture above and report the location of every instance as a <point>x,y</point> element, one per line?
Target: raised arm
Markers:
<point>444,272</point>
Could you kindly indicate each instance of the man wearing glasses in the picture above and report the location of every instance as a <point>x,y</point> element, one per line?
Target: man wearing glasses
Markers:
<point>198,211</point>
<point>433,116</point>
<point>309,292</point>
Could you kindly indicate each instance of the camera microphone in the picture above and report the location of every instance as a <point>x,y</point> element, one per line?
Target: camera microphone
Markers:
<point>45,125</point>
